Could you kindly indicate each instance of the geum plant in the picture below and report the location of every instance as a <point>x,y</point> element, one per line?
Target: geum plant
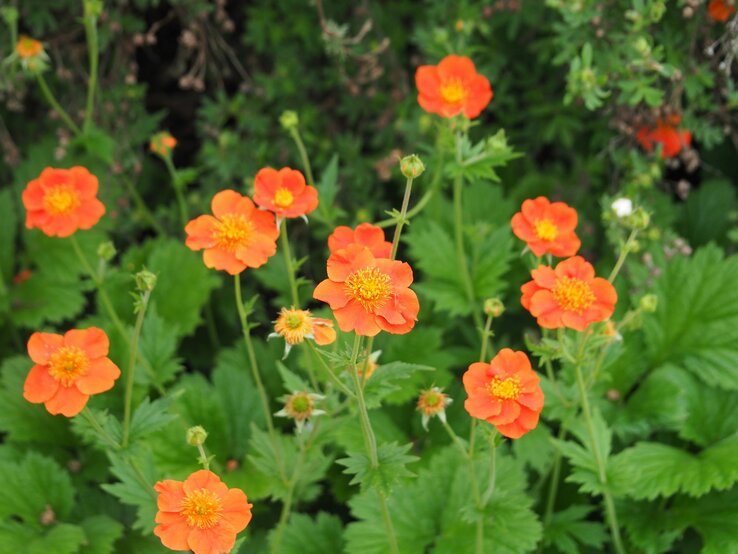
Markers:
<point>470,493</point>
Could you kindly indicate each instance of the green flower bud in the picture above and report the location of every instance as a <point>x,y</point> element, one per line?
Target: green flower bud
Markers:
<point>106,250</point>
<point>411,166</point>
<point>196,435</point>
<point>494,307</point>
<point>648,303</point>
<point>289,120</point>
<point>145,280</point>
<point>639,219</point>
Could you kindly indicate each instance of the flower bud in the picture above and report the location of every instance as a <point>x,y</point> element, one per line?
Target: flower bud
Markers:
<point>494,307</point>
<point>411,166</point>
<point>145,280</point>
<point>289,120</point>
<point>196,435</point>
<point>639,219</point>
<point>106,251</point>
<point>648,303</point>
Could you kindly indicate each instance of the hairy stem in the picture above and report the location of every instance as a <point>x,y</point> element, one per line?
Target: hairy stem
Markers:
<point>178,192</point>
<point>284,240</point>
<point>55,105</point>
<point>623,254</point>
<point>401,219</point>
<point>93,53</point>
<point>295,134</point>
<point>133,352</point>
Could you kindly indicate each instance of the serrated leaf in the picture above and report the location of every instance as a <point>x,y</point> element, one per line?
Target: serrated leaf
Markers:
<point>43,299</point>
<point>291,381</point>
<point>391,470</point>
<point>570,528</point>
<point>112,428</point>
<point>158,347</point>
<point>696,322</point>
<point>386,380</point>
<point>650,470</point>
<point>713,516</point>
<point>137,475</point>
<point>101,532</point>
<point>63,538</point>
<point>306,535</point>
<point>31,486</point>
<point>149,417</point>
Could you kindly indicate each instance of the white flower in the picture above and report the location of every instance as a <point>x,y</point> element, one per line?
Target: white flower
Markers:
<point>622,207</point>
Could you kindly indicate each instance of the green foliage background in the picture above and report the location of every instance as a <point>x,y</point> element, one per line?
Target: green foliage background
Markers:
<point>573,81</point>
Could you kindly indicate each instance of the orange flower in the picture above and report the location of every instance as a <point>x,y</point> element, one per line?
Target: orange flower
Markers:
<point>547,228</point>
<point>720,10</point>
<point>568,296</point>
<point>452,87</point>
<point>162,143</point>
<point>27,47</point>
<point>69,369</point>
<point>284,192</point>
<point>365,234</point>
<point>367,294</point>
<point>200,514</point>
<point>239,236</point>
<point>504,392</point>
<point>671,139</point>
<point>61,201</point>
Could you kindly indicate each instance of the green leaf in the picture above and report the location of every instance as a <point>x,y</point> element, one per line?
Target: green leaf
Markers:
<point>42,299</point>
<point>149,417</point>
<point>707,212</point>
<point>158,347</point>
<point>696,323</point>
<point>306,535</point>
<point>569,528</point>
<point>61,539</point>
<point>714,517</point>
<point>391,470</point>
<point>90,434</point>
<point>649,470</point>
<point>386,380</point>
<point>710,414</point>
<point>137,475</point>
<point>32,486</point>
<point>101,532</point>
<point>291,381</point>
<point>21,420</point>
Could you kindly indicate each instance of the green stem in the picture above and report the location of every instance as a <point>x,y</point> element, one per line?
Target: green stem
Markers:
<point>402,218</point>
<point>203,457</point>
<point>285,242</point>
<point>55,105</point>
<point>553,486</point>
<point>459,240</point>
<point>92,420</point>
<point>132,365</point>
<point>601,468</point>
<point>370,442</point>
<point>492,469</point>
<point>93,53</point>
<point>623,254</point>
<point>246,329</point>
<point>411,213</point>
<point>295,134</point>
<point>329,371</point>
<point>485,338</point>
<point>178,192</point>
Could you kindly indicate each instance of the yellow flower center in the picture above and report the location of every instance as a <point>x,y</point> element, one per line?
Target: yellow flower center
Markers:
<point>369,287</point>
<point>453,90</point>
<point>202,509</point>
<point>294,325</point>
<point>506,389</point>
<point>233,231</point>
<point>431,402</point>
<point>546,229</point>
<point>61,200</point>
<point>283,198</point>
<point>573,295</point>
<point>67,364</point>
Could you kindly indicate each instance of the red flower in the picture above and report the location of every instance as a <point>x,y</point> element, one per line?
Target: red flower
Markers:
<point>671,139</point>
<point>284,192</point>
<point>200,514</point>
<point>504,392</point>
<point>60,201</point>
<point>239,236</point>
<point>69,369</point>
<point>452,87</point>
<point>367,294</point>
<point>568,296</point>
<point>365,234</point>
<point>720,10</point>
<point>547,227</point>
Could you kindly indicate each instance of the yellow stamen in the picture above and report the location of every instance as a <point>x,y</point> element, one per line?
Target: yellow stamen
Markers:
<point>546,229</point>
<point>294,325</point>
<point>67,364</point>
<point>453,90</point>
<point>283,198</point>
<point>506,389</point>
<point>202,509</point>
<point>61,199</point>
<point>369,287</point>
<point>572,294</point>
<point>233,231</point>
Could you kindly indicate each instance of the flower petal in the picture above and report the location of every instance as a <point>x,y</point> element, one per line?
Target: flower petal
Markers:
<point>39,386</point>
